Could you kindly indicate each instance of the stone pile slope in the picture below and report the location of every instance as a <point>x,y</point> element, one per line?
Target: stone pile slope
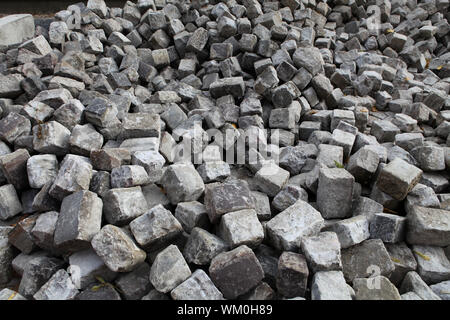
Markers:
<point>243,149</point>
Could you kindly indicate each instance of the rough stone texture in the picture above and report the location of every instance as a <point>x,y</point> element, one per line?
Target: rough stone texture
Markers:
<point>365,259</point>
<point>428,226</point>
<point>58,287</point>
<point>398,178</point>
<point>241,227</point>
<point>413,283</point>
<point>124,204</point>
<point>329,285</point>
<point>198,287</point>
<point>16,28</point>
<point>375,288</point>
<point>169,269</point>
<point>236,272</point>
<point>323,252</point>
<point>287,229</point>
<point>155,228</point>
<point>182,183</point>
<point>79,220</point>
<point>117,249</point>
<point>334,193</point>
<point>202,246</point>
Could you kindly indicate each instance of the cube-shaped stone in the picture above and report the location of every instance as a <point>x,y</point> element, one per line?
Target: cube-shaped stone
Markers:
<point>241,227</point>
<point>351,231</point>
<point>182,183</point>
<point>42,169</point>
<point>122,205</point>
<point>128,176</point>
<point>235,272</point>
<point>51,137</point>
<point>428,226</point>
<point>197,287</point>
<point>335,192</point>
<point>10,204</point>
<point>191,214</point>
<point>84,139</point>
<point>271,179</point>
<point>80,219</point>
<point>140,125</point>
<point>169,269</point>
<point>74,175</point>
<point>388,227</point>
<point>287,229</point>
<point>221,198</point>
<point>155,228</point>
<point>366,258</point>
<point>117,250</point>
<point>14,168</point>
<point>202,246</point>
<point>323,252</point>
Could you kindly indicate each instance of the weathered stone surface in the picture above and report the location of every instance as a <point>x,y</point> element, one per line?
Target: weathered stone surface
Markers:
<point>221,198</point>
<point>14,168</point>
<point>375,288</point>
<point>398,178</point>
<point>16,28</point>
<point>191,214</point>
<point>37,273</point>
<point>182,183</point>
<point>403,259</point>
<point>329,285</point>
<point>169,269</point>
<point>241,227</point>
<point>58,287</point>
<point>41,169</point>
<point>236,272</point>
<point>117,249</point>
<point>334,193</point>
<point>292,275</point>
<point>79,220</point>
<point>122,205</point>
<point>156,227</point>
<point>74,175</point>
<point>413,283</point>
<point>428,226</point>
<point>135,284</point>
<point>84,268</point>
<point>432,264</point>
<point>323,252</point>
<point>287,229</point>
<point>10,204</point>
<point>366,258</point>
<point>202,247</point>
<point>197,287</point>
